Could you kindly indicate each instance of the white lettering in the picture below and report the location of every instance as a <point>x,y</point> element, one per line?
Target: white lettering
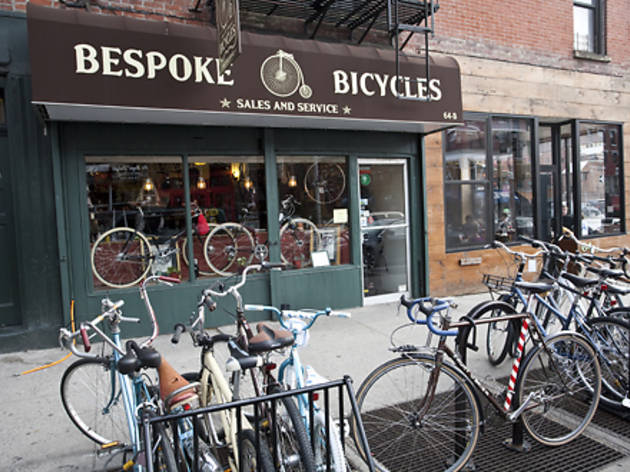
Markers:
<point>155,61</point>
<point>363,85</point>
<point>132,58</point>
<point>109,61</point>
<point>201,69</point>
<point>85,56</point>
<point>185,65</point>
<point>436,90</point>
<point>354,84</point>
<point>340,79</point>
<point>422,88</point>
<point>222,80</point>
<point>382,83</point>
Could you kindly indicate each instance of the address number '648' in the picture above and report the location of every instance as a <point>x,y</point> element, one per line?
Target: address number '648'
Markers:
<point>449,115</point>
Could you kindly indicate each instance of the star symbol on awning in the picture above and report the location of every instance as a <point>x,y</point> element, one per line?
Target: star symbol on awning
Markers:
<point>346,110</point>
<point>225,103</point>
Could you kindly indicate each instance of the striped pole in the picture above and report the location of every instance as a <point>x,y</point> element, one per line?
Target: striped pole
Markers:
<point>515,366</point>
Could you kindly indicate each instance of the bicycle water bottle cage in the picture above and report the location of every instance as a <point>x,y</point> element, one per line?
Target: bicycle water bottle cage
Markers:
<point>269,339</point>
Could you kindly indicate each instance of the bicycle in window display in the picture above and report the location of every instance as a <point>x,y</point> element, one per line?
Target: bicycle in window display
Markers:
<point>232,246</point>
<point>123,256</point>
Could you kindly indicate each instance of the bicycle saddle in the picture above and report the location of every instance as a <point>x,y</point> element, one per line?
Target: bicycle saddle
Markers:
<point>269,339</point>
<point>533,287</point>
<point>580,282</point>
<point>136,359</point>
<point>607,273</point>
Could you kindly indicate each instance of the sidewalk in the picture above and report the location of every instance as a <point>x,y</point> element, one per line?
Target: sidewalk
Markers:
<point>38,437</point>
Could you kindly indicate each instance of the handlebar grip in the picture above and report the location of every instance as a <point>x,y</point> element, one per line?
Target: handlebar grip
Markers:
<point>87,346</point>
<point>179,329</point>
<point>173,280</point>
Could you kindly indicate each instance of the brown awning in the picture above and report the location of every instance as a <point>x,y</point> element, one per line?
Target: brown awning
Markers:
<point>90,67</point>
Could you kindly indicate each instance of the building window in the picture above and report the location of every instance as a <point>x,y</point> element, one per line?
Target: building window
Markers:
<point>588,34</point>
<point>590,179</point>
<point>3,120</point>
<point>512,178</point>
<point>600,179</point>
<point>466,186</point>
<point>313,205</point>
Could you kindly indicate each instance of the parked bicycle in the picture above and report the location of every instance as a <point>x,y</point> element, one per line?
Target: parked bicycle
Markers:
<point>123,256</point>
<point>231,246</point>
<point>420,408</point>
<point>294,375</point>
<point>609,336</point>
<point>105,393</point>
<point>279,422</point>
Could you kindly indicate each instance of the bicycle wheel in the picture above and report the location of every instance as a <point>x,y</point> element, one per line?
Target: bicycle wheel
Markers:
<point>561,381</point>
<point>198,252</point>
<point>248,457</point>
<point>92,398</point>
<point>324,182</point>
<point>299,237</point>
<point>121,257</point>
<point>288,434</point>
<point>163,453</point>
<point>500,335</point>
<point>390,399</point>
<point>228,248</point>
<point>611,337</point>
<point>328,444</point>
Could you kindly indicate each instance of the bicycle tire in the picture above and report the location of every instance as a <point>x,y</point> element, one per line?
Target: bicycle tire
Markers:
<point>91,397</point>
<point>109,267</point>
<point>391,426</point>
<point>564,378</point>
<point>293,444</point>
<point>248,457</point>
<point>228,248</point>
<point>324,182</point>
<point>299,237</point>
<point>198,252</point>
<point>499,334</point>
<point>164,454</point>
<point>611,337</point>
<point>321,450</point>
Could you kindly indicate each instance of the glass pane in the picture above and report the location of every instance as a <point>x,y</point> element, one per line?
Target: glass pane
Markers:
<point>3,119</point>
<point>313,194</point>
<point>566,177</point>
<point>383,228</point>
<point>466,220</point>
<point>137,218</point>
<point>512,169</point>
<point>229,191</point>
<point>600,178</point>
<point>466,152</point>
<point>584,29</point>
<point>547,183</point>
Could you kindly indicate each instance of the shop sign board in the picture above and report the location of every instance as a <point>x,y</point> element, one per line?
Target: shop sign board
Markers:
<point>105,68</point>
<point>228,32</point>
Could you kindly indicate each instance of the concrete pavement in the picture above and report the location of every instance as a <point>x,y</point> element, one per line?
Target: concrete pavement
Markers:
<point>37,436</point>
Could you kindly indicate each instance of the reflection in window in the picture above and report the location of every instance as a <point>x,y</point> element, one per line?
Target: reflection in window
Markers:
<point>230,194</point>
<point>3,119</point>
<point>466,189</point>
<point>313,206</point>
<point>586,29</point>
<point>137,218</point>
<point>600,179</point>
<point>512,178</point>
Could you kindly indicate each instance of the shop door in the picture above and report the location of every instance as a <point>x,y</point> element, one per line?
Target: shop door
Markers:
<point>384,229</point>
<point>9,311</point>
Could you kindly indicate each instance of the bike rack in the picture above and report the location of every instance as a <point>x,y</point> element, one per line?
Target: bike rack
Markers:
<point>146,421</point>
<point>517,441</point>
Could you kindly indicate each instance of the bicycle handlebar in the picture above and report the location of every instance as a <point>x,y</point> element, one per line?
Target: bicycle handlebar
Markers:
<point>430,306</point>
<point>523,256</point>
<point>309,316</point>
<point>233,290</point>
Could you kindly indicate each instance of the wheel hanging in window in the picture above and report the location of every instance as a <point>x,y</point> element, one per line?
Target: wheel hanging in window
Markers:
<point>324,183</point>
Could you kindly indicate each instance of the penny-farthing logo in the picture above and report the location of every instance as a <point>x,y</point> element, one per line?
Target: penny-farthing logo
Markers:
<point>282,76</point>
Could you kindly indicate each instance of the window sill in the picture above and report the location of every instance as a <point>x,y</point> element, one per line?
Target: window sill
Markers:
<point>590,56</point>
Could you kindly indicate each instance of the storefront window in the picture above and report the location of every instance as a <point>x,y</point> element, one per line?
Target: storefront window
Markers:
<point>600,178</point>
<point>137,218</point>
<point>512,178</point>
<point>229,191</point>
<point>3,120</point>
<point>313,195</point>
<point>466,186</point>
